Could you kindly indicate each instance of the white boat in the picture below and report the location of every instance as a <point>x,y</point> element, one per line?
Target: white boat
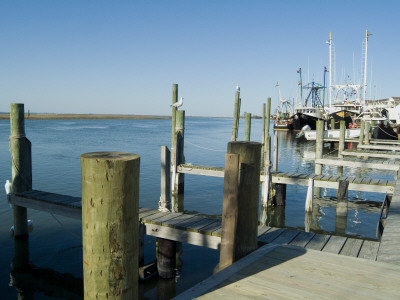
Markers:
<point>335,133</point>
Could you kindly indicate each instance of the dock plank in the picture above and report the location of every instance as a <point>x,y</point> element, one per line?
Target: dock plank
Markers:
<point>302,239</point>
<point>318,242</point>
<point>352,247</point>
<point>369,250</point>
<point>335,244</point>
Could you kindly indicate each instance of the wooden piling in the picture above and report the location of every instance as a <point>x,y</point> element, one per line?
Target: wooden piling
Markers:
<point>173,116</point>
<point>165,198</point>
<point>263,135</point>
<point>367,135</point>
<point>166,258</point>
<point>280,194</point>
<point>275,156</point>
<point>236,116</point>
<point>319,145</point>
<point>178,157</point>
<point>362,129</point>
<point>341,144</point>
<point>265,199</point>
<point>230,211</point>
<point>21,165</point>
<point>248,195</point>
<point>319,149</point>
<point>309,197</point>
<point>332,123</point>
<point>247,127</point>
<point>110,233</point>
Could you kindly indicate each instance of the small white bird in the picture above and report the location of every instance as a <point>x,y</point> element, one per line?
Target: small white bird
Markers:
<point>8,187</point>
<point>179,103</point>
<point>237,88</point>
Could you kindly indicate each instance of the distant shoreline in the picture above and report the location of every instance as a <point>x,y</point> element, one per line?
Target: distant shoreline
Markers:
<point>82,116</point>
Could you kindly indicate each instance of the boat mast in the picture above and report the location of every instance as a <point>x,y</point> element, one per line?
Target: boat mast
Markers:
<point>365,67</point>
<point>301,87</point>
<point>330,69</point>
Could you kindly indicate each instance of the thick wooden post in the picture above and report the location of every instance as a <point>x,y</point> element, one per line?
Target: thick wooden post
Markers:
<point>21,165</point>
<point>248,195</point>
<point>275,164</point>
<point>173,116</point>
<point>319,149</point>
<point>230,211</point>
<point>367,129</point>
<point>280,194</point>
<point>362,129</point>
<point>236,116</point>
<point>110,231</point>
<point>247,127</point>
<point>309,197</point>
<point>319,145</point>
<point>342,137</point>
<point>266,186</point>
<point>165,199</point>
<point>263,136</point>
<point>332,123</point>
<point>166,258</point>
<point>178,158</point>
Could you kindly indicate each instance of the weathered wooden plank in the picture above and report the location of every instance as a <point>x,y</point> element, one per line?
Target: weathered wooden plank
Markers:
<point>162,218</point>
<point>369,250</point>
<point>352,247</point>
<point>302,239</point>
<point>179,220</point>
<point>147,213</point>
<point>184,236</point>
<point>286,237</point>
<point>318,242</point>
<point>71,211</point>
<point>270,235</point>
<point>152,217</point>
<point>197,226</point>
<point>358,163</point>
<point>335,244</point>
<point>212,228</point>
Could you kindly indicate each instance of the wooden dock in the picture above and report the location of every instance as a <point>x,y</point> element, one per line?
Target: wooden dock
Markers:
<point>200,230</point>
<point>326,181</point>
<point>290,272</point>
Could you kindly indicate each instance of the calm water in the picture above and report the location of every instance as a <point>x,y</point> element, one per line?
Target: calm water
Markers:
<point>55,245</point>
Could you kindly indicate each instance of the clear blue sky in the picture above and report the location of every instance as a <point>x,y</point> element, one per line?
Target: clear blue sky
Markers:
<point>123,56</point>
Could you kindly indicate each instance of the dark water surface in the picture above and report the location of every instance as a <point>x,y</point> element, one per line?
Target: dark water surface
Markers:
<point>55,246</point>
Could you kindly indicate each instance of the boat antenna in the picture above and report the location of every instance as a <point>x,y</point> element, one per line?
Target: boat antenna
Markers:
<point>323,99</point>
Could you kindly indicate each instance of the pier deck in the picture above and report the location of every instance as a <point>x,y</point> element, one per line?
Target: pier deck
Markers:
<point>202,231</point>
<point>289,272</point>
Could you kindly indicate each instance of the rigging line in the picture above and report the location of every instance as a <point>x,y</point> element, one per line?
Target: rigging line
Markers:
<point>65,228</point>
<point>209,149</point>
<point>387,133</point>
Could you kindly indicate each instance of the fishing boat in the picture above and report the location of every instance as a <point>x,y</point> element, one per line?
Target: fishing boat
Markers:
<point>282,120</point>
<point>332,133</point>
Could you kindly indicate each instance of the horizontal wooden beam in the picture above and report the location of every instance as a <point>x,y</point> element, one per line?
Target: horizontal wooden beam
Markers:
<point>357,164</point>
<point>371,154</point>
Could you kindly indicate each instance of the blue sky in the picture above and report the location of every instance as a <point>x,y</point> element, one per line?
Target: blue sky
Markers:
<point>122,57</point>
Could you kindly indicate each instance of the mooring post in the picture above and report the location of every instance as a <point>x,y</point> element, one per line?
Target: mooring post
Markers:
<point>178,158</point>
<point>309,197</point>
<point>247,196</point>
<point>342,207</point>
<point>263,136</point>
<point>342,137</point>
<point>236,115</point>
<point>266,186</point>
<point>362,129</point>
<point>110,231</point>
<point>319,148</point>
<point>230,211</point>
<point>275,164</point>
<point>165,199</point>
<point>332,123</point>
<point>247,127</point>
<point>21,165</point>
<point>367,129</point>
<point>173,115</point>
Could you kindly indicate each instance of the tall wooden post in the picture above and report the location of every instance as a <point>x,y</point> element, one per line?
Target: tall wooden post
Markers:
<point>263,136</point>
<point>247,127</point>
<point>230,211</point>
<point>367,129</point>
<point>177,159</point>
<point>267,159</point>
<point>342,137</point>
<point>341,207</point>
<point>236,116</point>
<point>332,123</point>
<point>173,115</point>
<point>275,164</point>
<point>362,129</point>
<point>319,148</point>
<point>110,231</point>
<point>21,165</point>
<point>165,198</point>
<point>248,195</point>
